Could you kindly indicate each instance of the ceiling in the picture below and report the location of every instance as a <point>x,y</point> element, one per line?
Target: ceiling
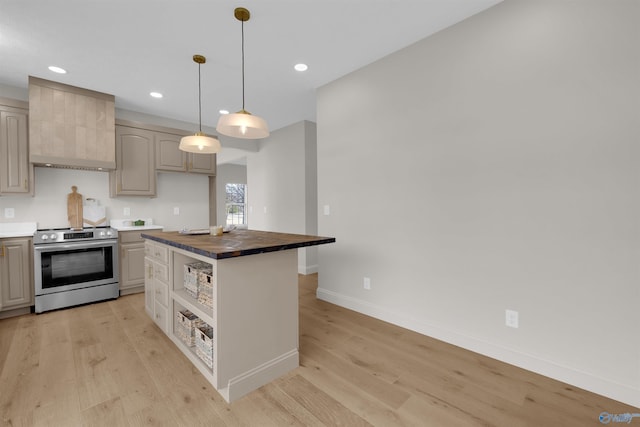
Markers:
<point>130,48</point>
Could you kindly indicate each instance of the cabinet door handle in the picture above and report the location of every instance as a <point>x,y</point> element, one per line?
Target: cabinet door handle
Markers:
<point>26,187</point>
<point>2,253</point>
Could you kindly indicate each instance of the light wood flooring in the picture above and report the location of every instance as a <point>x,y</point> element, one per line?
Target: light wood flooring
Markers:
<point>107,364</point>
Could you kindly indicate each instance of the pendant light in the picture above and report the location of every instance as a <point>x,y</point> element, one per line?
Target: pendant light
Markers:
<point>199,143</point>
<point>242,124</point>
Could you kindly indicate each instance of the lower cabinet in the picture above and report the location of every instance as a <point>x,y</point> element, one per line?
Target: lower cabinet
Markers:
<point>131,262</point>
<point>16,277</point>
<point>156,285</point>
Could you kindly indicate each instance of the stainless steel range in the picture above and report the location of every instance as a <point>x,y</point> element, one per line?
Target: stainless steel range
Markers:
<point>74,266</point>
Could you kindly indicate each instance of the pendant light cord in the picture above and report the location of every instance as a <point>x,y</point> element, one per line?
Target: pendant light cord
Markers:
<point>199,99</point>
<point>242,65</point>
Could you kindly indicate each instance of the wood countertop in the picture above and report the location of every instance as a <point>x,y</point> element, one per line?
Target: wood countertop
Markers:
<point>236,243</point>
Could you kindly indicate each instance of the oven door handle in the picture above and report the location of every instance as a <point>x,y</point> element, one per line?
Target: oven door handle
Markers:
<point>74,245</point>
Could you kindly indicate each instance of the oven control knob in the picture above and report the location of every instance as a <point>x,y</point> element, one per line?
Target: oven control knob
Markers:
<point>53,236</point>
<point>44,237</point>
<point>102,234</point>
<point>109,233</point>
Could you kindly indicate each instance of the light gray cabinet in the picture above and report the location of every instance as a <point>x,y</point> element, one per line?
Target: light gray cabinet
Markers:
<point>135,173</point>
<point>131,262</point>
<point>156,284</point>
<point>170,158</point>
<point>16,173</point>
<point>16,278</point>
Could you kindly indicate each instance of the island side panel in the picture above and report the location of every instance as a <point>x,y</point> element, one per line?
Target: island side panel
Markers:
<point>257,320</point>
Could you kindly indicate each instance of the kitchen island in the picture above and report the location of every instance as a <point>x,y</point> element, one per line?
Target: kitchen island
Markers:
<point>250,304</point>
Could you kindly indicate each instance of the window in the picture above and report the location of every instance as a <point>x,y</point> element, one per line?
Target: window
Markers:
<point>236,203</point>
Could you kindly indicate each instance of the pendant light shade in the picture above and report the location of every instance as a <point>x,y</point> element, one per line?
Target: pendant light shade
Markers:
<point>199,143</point>
<point>242,124</point>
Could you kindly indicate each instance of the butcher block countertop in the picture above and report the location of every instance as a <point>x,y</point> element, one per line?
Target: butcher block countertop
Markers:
<point>236,243</point>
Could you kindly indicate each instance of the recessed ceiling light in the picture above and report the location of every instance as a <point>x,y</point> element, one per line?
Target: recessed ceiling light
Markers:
<point>224,111</point>
<point>57,70</point>
<point>156,94</point>
<point>300,67</point>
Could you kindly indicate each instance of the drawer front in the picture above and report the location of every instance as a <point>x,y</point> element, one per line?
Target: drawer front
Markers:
<point>161,253</point>
<point>161,272</point>
<point>130,237</point>
<point>156,252</point>
<point>161,317</point>
<point>162,294</point>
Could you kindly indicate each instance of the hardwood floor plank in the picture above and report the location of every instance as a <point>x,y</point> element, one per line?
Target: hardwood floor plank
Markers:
<point>107,413</point>
<point>328,410</point>
<point>375,387</point>
<point>351,395</point>
<point>20,374</point>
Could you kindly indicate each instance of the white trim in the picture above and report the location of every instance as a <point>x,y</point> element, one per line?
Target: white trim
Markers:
<point>307,269</point>
<point>251,380</point>
<point>584,380</point>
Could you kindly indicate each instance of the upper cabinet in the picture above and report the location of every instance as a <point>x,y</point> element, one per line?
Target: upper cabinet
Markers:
<point>16,173</point>
<point>170,158</point>
<point>135,174</point>
<point>143,149</point>
<point>71,126</point>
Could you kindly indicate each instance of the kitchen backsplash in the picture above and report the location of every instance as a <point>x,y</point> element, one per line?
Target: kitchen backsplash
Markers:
<point>186,194</point>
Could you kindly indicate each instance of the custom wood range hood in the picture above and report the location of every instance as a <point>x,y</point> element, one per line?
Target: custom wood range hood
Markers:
<point>70,127</point>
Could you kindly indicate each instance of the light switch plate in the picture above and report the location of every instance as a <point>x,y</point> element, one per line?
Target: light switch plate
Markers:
<point>9,213</point>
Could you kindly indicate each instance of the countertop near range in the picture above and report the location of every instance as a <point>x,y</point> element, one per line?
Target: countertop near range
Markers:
<point>126,225</point>
<point>17,229</point>
<point>237,242</point>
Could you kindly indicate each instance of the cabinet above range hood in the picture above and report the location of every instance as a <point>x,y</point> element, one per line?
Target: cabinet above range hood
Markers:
<point>70,127</point>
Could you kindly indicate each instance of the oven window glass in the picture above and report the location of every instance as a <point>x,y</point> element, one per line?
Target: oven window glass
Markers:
<point>75,266</point>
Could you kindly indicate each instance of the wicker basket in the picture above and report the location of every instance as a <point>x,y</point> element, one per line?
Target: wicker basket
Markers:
<point>204,344</point>
<point>186,324</point>
<point>191,276</point>
<point>205,288</point>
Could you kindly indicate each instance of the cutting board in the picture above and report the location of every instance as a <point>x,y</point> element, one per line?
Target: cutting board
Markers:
<point>74,208</point>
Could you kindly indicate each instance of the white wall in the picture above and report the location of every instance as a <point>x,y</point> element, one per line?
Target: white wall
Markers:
<point>281,186</point>
<point>492,166</point>
<point>227,174</point>
<point>48,207</point>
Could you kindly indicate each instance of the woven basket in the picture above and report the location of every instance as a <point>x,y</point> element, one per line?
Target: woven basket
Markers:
<point>204,344</point>
<point>185,327</point>
<point>191,276</point>
<point>205,288</point>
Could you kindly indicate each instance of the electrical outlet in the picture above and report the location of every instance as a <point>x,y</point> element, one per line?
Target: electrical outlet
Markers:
<point>176,210</point>
<point>9,213</point>
<point>511,318</point>
<point>126,211</point>
<point>327,210</point>
<point>367,283</point>
<point>265,209</point>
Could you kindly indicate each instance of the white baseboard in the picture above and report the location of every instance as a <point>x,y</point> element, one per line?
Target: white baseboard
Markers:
<point>261,375</point>
<point>307,269</point>
<point>584,380</point>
